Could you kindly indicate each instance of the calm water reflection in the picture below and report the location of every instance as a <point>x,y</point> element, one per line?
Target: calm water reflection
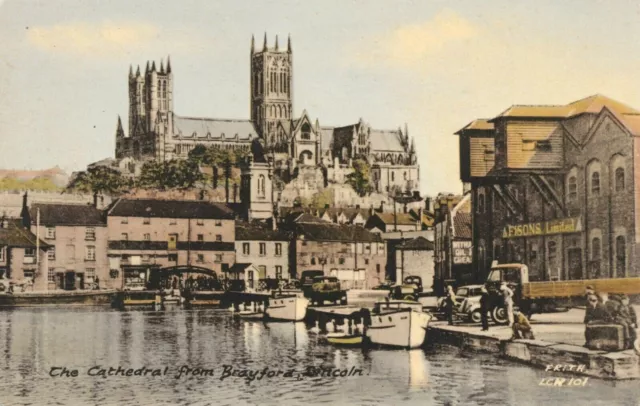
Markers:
<point>34,340</point>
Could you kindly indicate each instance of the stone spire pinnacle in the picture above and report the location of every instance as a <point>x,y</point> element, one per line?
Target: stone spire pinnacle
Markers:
<point>147,68</point>
<point>253,44</point>
<point>130,71</point>
<point>289,43</point>
<point>161,66</point>
<point>138,71</point>
<point>277,43</point>
<point>264,47</point>
<point>153,66</point>
<point>168,64</point>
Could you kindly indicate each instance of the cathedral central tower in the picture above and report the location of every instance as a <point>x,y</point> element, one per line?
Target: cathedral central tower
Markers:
<point>271,87</point>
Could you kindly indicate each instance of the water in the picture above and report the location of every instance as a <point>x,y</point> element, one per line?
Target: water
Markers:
<point>35,340</point>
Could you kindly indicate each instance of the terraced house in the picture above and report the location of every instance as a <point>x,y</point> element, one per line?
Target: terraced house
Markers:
<point>356,256</point>
<point>77,235</point>
<point>146,235</point>
<point>556,187</point>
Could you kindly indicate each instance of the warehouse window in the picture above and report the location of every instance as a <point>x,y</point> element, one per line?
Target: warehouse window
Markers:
<point>481,202</point>
<point>596,247</point>
<point>572,186</point>
<point>552,246</point>
<point>619,179</point>
<point>595,183</point>
<point>621,257</point>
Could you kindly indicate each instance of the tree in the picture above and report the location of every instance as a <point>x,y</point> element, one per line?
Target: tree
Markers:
<point>99,180</point>
<point>321,199</point>
<point>359,178</point>
<point>218,158</point>
<point>172,174</point>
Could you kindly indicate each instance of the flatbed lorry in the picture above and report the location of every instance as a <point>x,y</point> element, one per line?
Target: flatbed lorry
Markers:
<point>546,296</point>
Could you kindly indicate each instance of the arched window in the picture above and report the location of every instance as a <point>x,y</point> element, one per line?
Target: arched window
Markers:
<point>481,256</point>
<point>306,131</point>
<point>595,183</point>
<point>279,112</point>
<point>619,179</point>
<point>552,250</point>
<point>596,248</point>
<point>621,256</point>
<point>261,189</point>
<point>572,189</point>
<point>481,203</point>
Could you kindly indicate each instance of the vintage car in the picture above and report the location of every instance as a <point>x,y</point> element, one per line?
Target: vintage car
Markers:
<point>463,293</point>
<point>326,289</point>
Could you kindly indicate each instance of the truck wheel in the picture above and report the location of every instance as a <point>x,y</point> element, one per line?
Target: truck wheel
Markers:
<point>499,315</point>
<point>476,316</point>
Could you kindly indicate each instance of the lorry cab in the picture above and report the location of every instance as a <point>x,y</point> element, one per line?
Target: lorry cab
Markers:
<point>513,274</point>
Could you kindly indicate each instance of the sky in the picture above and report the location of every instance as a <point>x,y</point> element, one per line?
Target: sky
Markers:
<point>434,65</point>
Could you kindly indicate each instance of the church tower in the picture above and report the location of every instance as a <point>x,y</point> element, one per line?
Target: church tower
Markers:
<point>158,85</point>
<point>137,106</point>
<point>271,88</point>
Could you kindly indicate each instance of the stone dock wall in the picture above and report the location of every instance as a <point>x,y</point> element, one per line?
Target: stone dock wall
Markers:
<point>541,354</point>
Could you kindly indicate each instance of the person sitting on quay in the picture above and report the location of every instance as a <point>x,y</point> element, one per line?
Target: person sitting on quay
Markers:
<point>595,312</point>
<point>628,315</point>
<point>521,326</point>
<point>618,313</point>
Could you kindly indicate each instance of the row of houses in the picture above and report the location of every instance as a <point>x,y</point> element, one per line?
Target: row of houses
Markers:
<point>79,246</point>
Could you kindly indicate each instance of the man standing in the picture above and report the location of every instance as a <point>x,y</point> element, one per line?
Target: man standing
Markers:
<point>507,294</point>
<point>450,303</point>
<point>484,307</point>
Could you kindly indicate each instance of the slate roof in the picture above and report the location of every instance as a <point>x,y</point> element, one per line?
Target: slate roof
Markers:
<point>214,129</point>
<point>163,245</point>
<point>258,232</point>
<point>416,244</point>
<point>327,137</point>
<point>67,215</point>
<point>592,104</point>
<point>462,225</point>
<point>402,218</point>
<point>386,140</point>
<point>170,209</point>
<point>14,235</point>
<point>335,232</point>
<point>480,124</point>
<point>237,267</point>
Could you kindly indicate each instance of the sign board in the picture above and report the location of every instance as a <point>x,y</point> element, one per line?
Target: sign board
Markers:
<point>550,227</point>
<point>462,252</point>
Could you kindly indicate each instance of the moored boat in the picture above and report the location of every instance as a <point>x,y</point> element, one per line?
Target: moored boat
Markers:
<point>398,323</point>
<point>345,339</point>
<point>57,298</point>
<point>291,307</point>
<point>253,312</point>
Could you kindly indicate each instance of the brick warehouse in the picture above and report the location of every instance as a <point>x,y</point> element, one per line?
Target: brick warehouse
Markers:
<point>554,187</point>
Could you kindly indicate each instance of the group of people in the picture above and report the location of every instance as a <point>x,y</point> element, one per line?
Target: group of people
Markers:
<point>517,320</point>
<point>615,309</point>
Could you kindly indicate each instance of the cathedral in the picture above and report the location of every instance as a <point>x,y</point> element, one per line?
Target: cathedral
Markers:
<point>156,132</point>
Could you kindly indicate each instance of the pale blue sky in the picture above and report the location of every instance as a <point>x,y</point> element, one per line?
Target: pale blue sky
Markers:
<point>435,65</point>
